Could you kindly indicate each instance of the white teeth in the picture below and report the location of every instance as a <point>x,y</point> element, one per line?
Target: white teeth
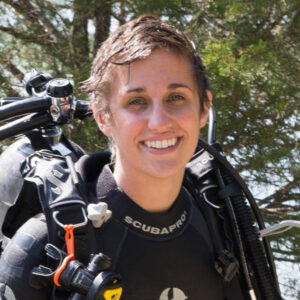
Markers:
<point>171,142</point>
<point>161,144</point>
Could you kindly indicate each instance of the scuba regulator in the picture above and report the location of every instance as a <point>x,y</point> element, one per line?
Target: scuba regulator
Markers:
<point>94,282</point>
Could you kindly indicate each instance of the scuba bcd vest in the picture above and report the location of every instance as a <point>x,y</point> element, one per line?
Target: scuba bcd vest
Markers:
<point>60,193</point>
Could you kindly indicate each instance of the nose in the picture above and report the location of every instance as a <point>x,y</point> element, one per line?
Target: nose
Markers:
<point>159,119</point>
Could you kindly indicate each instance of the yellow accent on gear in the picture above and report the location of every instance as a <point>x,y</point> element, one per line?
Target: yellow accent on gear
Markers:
<point>113,294</point>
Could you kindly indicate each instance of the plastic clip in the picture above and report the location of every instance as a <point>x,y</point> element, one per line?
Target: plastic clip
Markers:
<point>98,213</point>
<point>69,239</point>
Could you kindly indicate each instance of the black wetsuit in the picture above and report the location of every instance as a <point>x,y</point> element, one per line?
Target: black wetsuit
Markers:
<point>160,256</point>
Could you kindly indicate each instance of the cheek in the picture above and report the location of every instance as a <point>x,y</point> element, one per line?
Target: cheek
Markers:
<point>189,117</point>
<point>126,127</point>
<point>191,124</point>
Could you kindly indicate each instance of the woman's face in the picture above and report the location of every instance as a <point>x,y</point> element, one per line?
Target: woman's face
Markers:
<point>154,116</point>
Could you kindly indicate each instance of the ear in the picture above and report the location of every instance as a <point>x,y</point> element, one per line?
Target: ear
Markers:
<point>102,121</point>
<point>205,112</point>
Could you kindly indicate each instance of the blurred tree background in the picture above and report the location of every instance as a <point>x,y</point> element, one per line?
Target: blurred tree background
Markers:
<point>252,53</point>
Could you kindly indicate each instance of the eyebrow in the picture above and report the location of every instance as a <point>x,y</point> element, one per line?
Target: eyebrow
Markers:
<point>174,86</point>
<point>171,86</point>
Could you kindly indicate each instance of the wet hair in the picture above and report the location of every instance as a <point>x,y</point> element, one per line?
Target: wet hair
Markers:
<point>136,40</point>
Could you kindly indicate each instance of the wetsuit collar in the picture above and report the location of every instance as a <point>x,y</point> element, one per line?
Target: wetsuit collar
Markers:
<point>154,225</point>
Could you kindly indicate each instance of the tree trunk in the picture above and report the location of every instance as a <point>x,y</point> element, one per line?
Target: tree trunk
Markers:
<point>102,18</point>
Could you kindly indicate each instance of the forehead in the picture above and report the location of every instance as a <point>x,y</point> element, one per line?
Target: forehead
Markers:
<point>161,68</point>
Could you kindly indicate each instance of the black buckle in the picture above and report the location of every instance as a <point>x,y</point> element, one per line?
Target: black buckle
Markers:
<point>227,265</point>
<point>230,190</point>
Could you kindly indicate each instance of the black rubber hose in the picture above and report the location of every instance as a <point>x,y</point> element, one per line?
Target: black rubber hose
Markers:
<point>9,100</point>
<point>215,151</point>
<point>253,245</point>
<point>236,233</point>
<point>20,107</point>
<point>24,124</point>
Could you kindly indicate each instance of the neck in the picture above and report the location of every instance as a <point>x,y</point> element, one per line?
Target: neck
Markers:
<point>151,193</point>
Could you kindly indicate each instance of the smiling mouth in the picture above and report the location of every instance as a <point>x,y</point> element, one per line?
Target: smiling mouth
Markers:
<point>164,144</point>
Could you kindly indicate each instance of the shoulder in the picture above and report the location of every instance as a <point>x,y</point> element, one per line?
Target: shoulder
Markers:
<point>23,252</point>
<point>90,166</point>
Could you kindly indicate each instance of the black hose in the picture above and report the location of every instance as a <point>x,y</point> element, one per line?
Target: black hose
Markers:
<point>20,107</point>
<point>236,232</point>
<point>252,244</point>
<point>250,198</point>
<point>230,170</point>
<point>24,124</point>
<point>9,100</point>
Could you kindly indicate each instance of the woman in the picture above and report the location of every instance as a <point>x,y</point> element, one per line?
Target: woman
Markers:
<point>150,97</point>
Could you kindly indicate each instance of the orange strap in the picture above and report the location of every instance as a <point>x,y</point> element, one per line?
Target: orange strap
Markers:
<point>69,239</point>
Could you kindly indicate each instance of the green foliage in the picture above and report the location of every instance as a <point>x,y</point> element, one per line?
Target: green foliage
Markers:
<point>86,134</point>
<point>251,51</point>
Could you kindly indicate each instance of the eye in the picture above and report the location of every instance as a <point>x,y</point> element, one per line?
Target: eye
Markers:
<point>176,98</point>
<point>136,101</point>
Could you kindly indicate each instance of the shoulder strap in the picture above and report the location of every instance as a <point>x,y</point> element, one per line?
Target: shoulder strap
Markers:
<point>200,182</point>
<point>62,196</point>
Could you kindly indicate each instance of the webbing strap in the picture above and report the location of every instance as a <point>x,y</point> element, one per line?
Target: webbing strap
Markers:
<point>61,193</point>
<point>200,178</point>
<point>230,190</point>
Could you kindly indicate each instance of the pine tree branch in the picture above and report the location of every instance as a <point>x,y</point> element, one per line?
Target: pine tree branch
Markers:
<point>24,8</point>
<point>47,23</point>
<point>281,195</point>
<point>13,69</point>
<point>27,37</point>
<point>7,88</point>
<point>58,6</point>
<point>36,17</point>
<point>296,260</point>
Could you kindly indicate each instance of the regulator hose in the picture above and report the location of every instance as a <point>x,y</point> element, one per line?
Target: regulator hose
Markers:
<point>265,273</point>
<point>253,246</point>
<point>30,105</point>
<point>24,124</point>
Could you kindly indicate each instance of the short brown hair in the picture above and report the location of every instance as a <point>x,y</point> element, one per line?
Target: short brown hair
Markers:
<point>136,40</point>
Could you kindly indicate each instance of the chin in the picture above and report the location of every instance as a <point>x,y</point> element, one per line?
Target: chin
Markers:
<point>165,170</point>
